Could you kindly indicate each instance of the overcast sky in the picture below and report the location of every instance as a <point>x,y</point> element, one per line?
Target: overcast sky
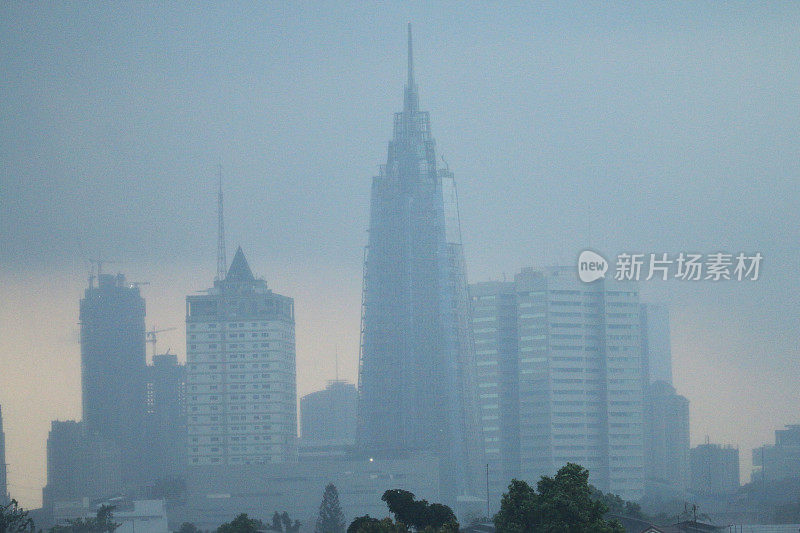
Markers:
<point>651,128</point>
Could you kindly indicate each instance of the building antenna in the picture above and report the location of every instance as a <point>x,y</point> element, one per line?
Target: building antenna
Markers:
<point>222,263</point>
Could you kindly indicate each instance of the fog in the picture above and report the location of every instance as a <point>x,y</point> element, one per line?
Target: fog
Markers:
<point>649,129</point>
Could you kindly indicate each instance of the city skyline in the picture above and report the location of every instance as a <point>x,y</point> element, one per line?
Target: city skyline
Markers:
<point>731,341</point>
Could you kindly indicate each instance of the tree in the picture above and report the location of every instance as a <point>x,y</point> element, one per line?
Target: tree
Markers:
<point>419,514</point>
<point>617,505</point>
<point>282,523</point>
<point>361,524</point>
<point>14,519</point>
<point>563,504</point>
<point>276,522</point>
<point>188,527</point>
<point>288,527</point>
<point>240,524</point>
<point>367,524</point>
<point>103,522</point>
<point>331,518</point>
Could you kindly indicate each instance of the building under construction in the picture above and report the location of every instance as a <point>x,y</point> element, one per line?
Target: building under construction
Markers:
<point>415,382</point>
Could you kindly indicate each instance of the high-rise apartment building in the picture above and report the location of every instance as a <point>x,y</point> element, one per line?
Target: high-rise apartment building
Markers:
<point>113,367</point>
<point>240,377</point>
<point>559,377</point>
<point>494,316</point>
<point>415,386</point>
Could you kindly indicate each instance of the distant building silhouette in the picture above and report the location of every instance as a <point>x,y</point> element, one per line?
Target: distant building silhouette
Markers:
<point>328,420</point>
<point>113,368</point>
<point>714,469</point>
<point>781,460</point>
<point>657,363</point>
<point>240,358</point>
<point>4,496</point>
<point>666,441</point>
<point>558,366</point>
<point>415,383</point>
<point>166,416</point>
<point>80,464</point>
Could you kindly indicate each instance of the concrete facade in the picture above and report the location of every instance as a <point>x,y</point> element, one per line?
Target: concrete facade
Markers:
<point>559,377</point>
<point>241,377</point>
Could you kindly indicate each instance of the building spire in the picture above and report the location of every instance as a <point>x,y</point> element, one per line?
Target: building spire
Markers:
<point>410,58</point>
<point>222,263</point>
<point>411,98</point>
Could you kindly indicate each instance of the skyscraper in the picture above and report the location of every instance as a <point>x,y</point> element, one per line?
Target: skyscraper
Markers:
<point>3,470</point>
<point>666,441</point>
<point>415,383</point>
<point>240,358</point>
<point>559,378</point>
<point>495,320</point>
<point>166,415</point>
<point>657,364</point>
<point>113,367</point>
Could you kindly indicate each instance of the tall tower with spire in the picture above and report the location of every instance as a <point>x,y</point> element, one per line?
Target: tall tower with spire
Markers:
<point>415,370</point>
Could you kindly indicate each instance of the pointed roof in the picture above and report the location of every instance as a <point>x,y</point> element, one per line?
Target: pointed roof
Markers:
<point>239,270</point>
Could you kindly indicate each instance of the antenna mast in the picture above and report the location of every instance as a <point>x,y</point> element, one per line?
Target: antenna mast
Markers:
<point>222,263</point>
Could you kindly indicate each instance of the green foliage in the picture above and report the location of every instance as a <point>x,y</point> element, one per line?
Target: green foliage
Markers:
<point>101,523</point>
<point>367,524</point>
<point>563,504</point>
<point>188,527</point>
<point>240,524</point>
<point>14,519</point>
<point>282,522</point>
<point>331,518</point>
<point>617,505</point>
<point>419,514</point>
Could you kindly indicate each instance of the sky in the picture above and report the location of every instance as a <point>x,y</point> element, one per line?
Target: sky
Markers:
<point>646,128</point>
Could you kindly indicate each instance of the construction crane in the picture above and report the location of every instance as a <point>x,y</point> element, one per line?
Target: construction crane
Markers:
<point>137,284</point>
<point>151,337</point>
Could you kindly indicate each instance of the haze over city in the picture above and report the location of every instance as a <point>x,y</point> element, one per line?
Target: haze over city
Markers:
<point>639,129</point>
